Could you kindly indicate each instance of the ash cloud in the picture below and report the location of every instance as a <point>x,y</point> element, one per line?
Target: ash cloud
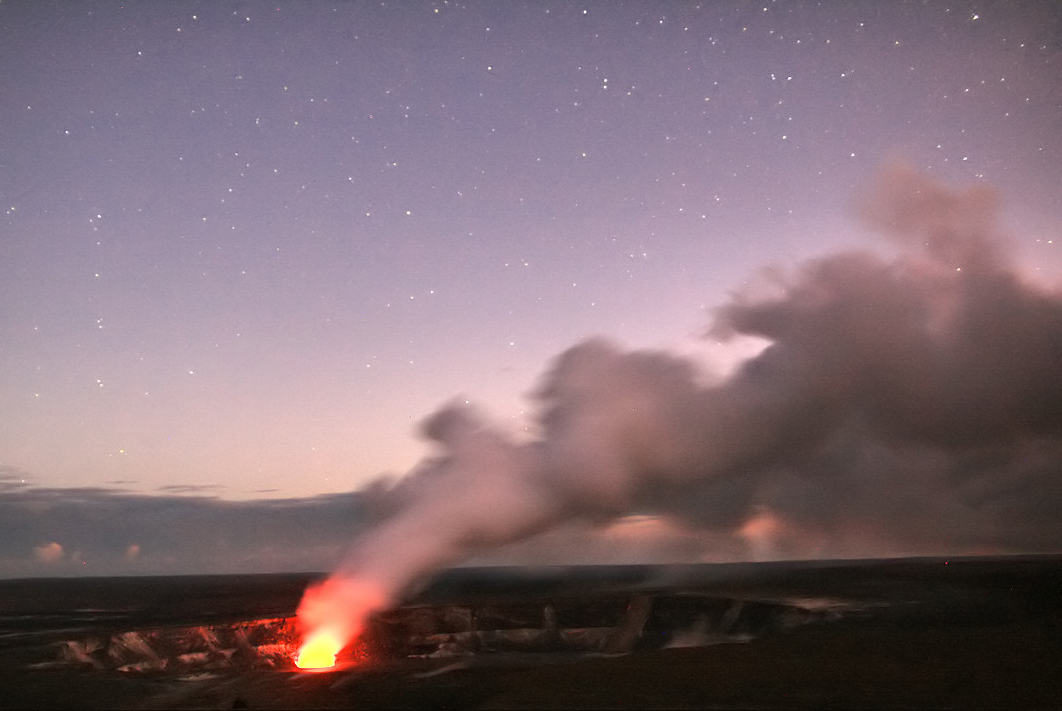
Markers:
<point>906,404</point>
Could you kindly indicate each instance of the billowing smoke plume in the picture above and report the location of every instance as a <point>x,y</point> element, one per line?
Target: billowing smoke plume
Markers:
<point>904,405</point>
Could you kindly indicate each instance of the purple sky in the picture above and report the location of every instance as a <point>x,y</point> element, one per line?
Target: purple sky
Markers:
<point>246,247</point>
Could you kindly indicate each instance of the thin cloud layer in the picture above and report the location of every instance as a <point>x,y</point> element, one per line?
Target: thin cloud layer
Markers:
<point>909,404</point>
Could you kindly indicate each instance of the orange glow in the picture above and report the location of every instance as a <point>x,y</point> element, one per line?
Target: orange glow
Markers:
<point>319,650</point>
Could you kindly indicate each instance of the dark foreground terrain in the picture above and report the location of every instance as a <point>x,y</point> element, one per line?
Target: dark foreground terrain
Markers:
<point>925,633</point>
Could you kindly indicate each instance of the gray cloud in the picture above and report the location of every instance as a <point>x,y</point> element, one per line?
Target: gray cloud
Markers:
<point>908,404</point>
<point>59,532</point>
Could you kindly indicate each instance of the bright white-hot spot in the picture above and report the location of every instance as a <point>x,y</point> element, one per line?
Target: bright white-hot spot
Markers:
<point>319,650</point>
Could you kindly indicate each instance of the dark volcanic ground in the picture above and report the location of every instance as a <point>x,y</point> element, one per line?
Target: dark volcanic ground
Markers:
<point>925,633</point>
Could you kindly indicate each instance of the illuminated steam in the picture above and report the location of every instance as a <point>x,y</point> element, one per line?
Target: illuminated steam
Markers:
<point>905,405</point>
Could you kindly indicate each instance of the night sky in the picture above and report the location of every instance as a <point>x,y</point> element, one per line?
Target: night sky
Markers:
<point>245,248</point>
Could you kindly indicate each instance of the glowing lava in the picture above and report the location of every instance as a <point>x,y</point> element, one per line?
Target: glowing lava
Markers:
<point>332,614</point>
<point>319,650</point>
